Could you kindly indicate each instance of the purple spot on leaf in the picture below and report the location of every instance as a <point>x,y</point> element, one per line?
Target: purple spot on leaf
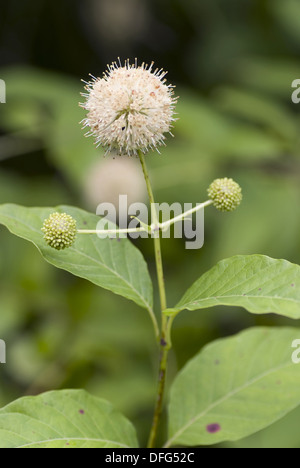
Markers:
<point>217,362</point>
<point>213,428</point>
<point>259,289</point>
<point>293,285</point>
<point>81,411</point>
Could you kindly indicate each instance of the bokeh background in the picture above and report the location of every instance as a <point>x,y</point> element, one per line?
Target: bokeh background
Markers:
<point>233,63</point>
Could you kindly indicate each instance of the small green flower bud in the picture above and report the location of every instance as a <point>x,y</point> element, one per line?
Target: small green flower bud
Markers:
<point>59,231</point>
<point>225,194</point>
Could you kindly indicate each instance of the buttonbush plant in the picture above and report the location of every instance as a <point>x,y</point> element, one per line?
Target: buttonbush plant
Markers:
<point>234,386</point>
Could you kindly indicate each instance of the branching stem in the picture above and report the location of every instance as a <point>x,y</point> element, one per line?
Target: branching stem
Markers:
<point>165,344</point>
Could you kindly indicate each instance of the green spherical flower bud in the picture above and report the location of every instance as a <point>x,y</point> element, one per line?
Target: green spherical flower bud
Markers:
<point>225,194</point>
<point>59,231</point>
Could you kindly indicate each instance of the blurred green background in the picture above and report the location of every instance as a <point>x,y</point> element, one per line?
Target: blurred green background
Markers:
<point>233,63</point>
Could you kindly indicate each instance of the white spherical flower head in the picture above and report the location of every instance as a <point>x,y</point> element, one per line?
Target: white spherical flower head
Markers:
<point>130,109</point>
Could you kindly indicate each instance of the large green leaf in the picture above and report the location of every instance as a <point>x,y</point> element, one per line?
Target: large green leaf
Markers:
<point>235,387</point>
<point>64,419</point>
<point>258,283</point>
<point>113,264</point>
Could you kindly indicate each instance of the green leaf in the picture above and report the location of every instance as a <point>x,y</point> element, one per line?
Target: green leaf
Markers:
<point>282,434</point>
<point>258,283</point>
<point>257,108</point>
<point>113,264</point>
<point>235,387</point>
<point>287,16</point>
<point>64,419</point>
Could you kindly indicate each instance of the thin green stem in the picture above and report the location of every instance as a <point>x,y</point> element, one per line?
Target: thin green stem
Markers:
<point>157,247</point>
<point>111,231</point>
<point>153,229</point>
<point>180,217</point>
<point>166,345</point>
<point>160,393</point>
<point>165,342</point>
<point>163,337</point>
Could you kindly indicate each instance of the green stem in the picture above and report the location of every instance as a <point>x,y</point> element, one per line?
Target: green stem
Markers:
<point>111,231</point>
<point>165,346</point>
<point>157,247</point>
<point>165,342</point>
<point>180,217</point>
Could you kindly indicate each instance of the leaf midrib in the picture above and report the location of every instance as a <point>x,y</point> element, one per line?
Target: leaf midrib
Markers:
<point>240,284</point>
<point>192,303</point>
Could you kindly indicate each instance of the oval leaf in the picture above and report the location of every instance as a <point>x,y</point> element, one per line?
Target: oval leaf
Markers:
<point>258,283</point>
<point>64,419</point>
<point>235,387</point>
<point>113,264</point>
